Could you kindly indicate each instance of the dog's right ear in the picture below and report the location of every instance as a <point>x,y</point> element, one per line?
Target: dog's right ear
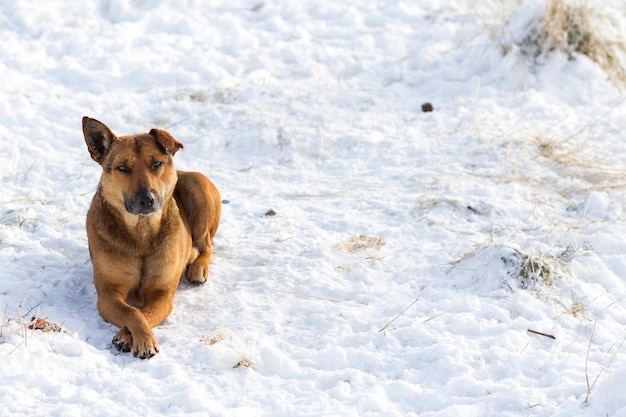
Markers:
<point>98,138</point>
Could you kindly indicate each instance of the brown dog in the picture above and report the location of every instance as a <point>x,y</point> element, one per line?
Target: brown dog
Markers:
<point>146,223</point>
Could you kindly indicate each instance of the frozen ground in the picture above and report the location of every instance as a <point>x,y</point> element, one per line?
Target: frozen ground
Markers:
<point>409,255</point>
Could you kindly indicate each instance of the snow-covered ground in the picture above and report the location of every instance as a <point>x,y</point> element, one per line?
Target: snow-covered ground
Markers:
<point>469,261</point>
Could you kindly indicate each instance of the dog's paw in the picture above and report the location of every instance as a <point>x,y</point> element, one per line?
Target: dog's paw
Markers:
<point>141,347</point>
<point>123,340</point>
<point>198,271</point>
<point>146,348</point>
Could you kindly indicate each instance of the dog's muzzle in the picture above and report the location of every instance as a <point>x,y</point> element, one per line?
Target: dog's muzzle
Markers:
<point>144,203</point>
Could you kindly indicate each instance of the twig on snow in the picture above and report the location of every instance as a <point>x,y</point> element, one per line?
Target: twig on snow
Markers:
<point>22,325</point>
<point>605,368</point>
<point>593,332</point>
<point>308,296</point>
<point>399,314</point>
<point>32,308</point>
<point>522,351</point>
<point>542,334</point>
<point>442,313</point>
<point>16,348</point>
<point>4,318</point>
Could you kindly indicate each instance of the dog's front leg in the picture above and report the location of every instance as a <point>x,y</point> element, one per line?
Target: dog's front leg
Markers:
<point>135,335</point>
<point>158,305</point>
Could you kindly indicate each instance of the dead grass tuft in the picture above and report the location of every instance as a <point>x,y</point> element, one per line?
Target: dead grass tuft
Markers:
<point>568,27</point>
<point>582,154</point>
<point>578,27</point>
<point>44,325</point>
<point>360,243</point>
<point>217,337</point>
<point>533,270</point>
<point>571,26</point>
<point>19,329</point>
<point>244,362</point>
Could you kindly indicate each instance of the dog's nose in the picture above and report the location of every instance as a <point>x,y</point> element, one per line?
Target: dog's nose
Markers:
<point>145,200</point>
<point>143,203</point>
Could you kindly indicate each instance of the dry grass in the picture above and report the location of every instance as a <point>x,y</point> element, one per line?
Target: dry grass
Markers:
<point>580,27</point>
<point>568,27</point>
<point>398,315</point>
<point>583,153</point>
<point>4,321</point>
<point>590,152</point>
<point>360,243</point>
<point>586,160</point>
<point>533,270</point>
<point>571,26</point>
<point>21,329</point>
<point>217,337</point>
<point>244,362</point>
<point>232,343</point>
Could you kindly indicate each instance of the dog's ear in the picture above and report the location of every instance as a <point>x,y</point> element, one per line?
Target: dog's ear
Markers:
<point>167,142</point>
<point>98,138</point>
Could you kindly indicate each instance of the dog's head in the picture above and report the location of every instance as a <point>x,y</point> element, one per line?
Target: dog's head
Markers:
<point>138,173</point>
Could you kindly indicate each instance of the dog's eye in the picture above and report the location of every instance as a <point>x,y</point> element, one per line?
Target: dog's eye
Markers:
<point>156,165</point>
<point>123,169</point>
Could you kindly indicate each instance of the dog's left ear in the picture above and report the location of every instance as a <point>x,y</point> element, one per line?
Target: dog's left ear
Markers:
<point>167,142</point>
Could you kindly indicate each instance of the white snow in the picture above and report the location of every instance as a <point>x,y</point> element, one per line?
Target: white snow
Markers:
<point>313,109</point>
